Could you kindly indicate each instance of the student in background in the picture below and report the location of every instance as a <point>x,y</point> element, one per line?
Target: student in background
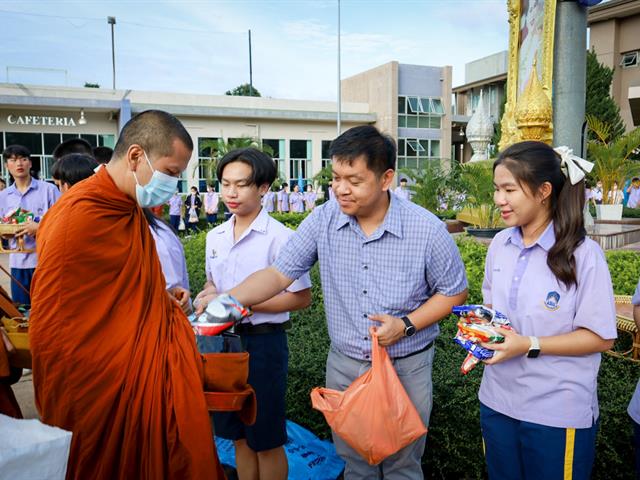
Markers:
<point>71,169</point>
<point>538,396</point>
<point>248,242</point>
<point>615,196</point>
<point>597,194</point>
<point>283,199</point>
<point>73,145</point>
<point>310,198</point>
<point>296,200</point>
<point>30,194</point>
<point>175,210</point>
<point>634,193</point>
<point>102,154</point>
<point>211,200</point>
<point>193,206</point>
<point>269,201</point>
<point>402,191</point>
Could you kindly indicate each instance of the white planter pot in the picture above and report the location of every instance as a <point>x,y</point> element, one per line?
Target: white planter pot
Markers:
<point>609,212</point>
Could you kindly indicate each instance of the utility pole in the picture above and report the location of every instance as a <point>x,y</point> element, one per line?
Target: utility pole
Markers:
<point>250,68</point>
<point>339,86</point>
<point>112,21</point>
<point>569,75</point>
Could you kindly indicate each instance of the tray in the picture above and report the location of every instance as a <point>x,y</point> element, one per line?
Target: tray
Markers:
<point>20,340</point>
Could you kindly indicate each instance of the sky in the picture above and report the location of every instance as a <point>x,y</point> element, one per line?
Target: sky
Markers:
<point>202,46</point>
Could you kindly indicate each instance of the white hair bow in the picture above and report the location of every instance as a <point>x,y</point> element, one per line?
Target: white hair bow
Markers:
<point>572,166</point>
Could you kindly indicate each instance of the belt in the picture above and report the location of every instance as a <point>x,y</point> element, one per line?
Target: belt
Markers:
<point>427,347</point>
<point>261,329</point>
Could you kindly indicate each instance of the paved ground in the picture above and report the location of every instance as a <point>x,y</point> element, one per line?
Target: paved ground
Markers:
<point>24,388</point>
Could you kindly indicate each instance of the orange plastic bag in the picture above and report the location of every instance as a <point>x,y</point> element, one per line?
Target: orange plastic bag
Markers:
<point>374,415</point>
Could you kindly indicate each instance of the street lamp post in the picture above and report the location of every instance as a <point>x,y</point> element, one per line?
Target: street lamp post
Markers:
<point>112,21</point>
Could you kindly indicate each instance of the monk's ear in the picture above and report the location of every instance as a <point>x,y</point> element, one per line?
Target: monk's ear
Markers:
<point>135,155</point>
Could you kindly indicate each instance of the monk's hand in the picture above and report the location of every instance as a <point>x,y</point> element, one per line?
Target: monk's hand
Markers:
<point>30,228</point>
<point>514,345</point>
<point>391,330</point>
<point>203,298</point>
<point>7,343</point>
<point>181,295</point>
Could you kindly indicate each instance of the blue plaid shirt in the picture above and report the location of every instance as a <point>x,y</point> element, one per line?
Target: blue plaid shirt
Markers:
<point>408,259</point>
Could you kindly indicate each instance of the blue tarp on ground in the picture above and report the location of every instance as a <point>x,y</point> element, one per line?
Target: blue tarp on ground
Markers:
<point>309,457</point>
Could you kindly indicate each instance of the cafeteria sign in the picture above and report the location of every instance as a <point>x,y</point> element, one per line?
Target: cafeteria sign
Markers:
<point>41,120</point>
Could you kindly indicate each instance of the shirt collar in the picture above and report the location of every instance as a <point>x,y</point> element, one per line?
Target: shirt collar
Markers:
<point>259,224</point>
<point>544,241</point>
<point>391,222</point>
<point>32,186</point>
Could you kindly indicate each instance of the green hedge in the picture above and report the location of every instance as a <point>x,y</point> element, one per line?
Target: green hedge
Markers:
<point>454,448</point>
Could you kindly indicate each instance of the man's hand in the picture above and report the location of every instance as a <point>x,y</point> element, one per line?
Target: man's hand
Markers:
<point>203,298</point>
<point>514,345</point>
<point>391,330</point>
<point>181,295</point>
<point>30,228</point>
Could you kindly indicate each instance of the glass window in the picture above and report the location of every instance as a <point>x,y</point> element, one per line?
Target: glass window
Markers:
<point>274,145</point>
<point>435,122</point>
<point>402,108</point>
<point>326,144</point>
<point>412,121</point>
<point>298,149</point>
<point>629,60</point>
<point>107,141</point>
<point>51,141</point>
<point>401,146</point>
<point>435,149</point>
<point>92,139</point>
<point>425,105</point>
<point>402,121</point>
<point>69,136</point>
<point>425,147</point>
<point>436,106</point>
<point>32,141</point>
<point>413,104</point>
<point>207,147</point>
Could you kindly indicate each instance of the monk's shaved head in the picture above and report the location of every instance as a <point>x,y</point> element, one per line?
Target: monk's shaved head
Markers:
<point>155,131</point>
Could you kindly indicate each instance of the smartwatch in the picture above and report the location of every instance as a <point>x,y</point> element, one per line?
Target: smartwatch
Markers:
<point>534,349</point>
<point>409,328</point>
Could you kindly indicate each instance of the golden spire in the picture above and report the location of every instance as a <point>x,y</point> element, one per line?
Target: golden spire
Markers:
<point>534,113</point>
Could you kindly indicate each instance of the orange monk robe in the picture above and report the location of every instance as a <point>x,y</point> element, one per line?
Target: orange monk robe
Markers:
<point>114,359</point>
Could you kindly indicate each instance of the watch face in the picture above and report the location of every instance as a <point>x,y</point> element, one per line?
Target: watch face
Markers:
<point>533,353</point>
<point>410,330</point>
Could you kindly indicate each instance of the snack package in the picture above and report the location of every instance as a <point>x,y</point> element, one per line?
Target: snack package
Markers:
<point>478,324</point>
<point>17,216</point>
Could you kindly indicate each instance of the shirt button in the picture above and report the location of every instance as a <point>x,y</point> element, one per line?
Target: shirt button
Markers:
<point>364,292</point>
<point>365,267</point>
<point>365,315</point>
<point>516,279</point>
<point>367,357</point>
<point>522,257</point>
<point>366,338</point>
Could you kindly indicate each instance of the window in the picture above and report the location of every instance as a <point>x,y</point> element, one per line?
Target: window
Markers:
<point>414,153</point>
<point>207,162</point>
<point>326,158</point>
<point>275,148</point>
<point>629,59</point>
<point>420,112</point>
<point>299,161</point>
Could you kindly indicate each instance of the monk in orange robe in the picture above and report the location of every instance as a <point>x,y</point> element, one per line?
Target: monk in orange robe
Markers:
<point>114,357</point>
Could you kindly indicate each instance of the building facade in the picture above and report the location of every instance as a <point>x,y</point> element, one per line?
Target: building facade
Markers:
<point>615,37</point>
<point>409,102</point>
<point>489,76</point>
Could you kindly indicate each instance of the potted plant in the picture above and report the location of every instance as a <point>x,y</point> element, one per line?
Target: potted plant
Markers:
<point>479,209</point>
<point>612,163</point>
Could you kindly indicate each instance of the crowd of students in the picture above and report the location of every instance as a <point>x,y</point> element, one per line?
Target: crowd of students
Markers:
<point>115,362</point>
<point>629,196</point>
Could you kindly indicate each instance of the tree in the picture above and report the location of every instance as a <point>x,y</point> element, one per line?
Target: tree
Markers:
<point>244,90</point>
<point>599,103</point>
<point>219,148</point>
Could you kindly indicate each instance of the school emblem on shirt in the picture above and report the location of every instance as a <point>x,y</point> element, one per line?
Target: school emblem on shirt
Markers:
<point>214,254</point>
<point>552,302</point>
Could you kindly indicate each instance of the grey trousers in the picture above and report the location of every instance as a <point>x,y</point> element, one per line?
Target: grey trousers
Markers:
<point>415,375</point>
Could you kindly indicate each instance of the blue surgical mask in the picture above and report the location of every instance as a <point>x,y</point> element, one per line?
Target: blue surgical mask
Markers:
<point>158,191</point>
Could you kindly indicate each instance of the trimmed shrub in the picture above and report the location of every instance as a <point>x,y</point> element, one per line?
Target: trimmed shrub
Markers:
<point>454,443</point>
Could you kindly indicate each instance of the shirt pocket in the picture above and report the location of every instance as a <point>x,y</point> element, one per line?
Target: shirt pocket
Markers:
<point>401,293</point>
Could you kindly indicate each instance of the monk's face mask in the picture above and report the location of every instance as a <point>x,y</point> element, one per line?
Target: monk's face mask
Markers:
<point>158,191</point>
